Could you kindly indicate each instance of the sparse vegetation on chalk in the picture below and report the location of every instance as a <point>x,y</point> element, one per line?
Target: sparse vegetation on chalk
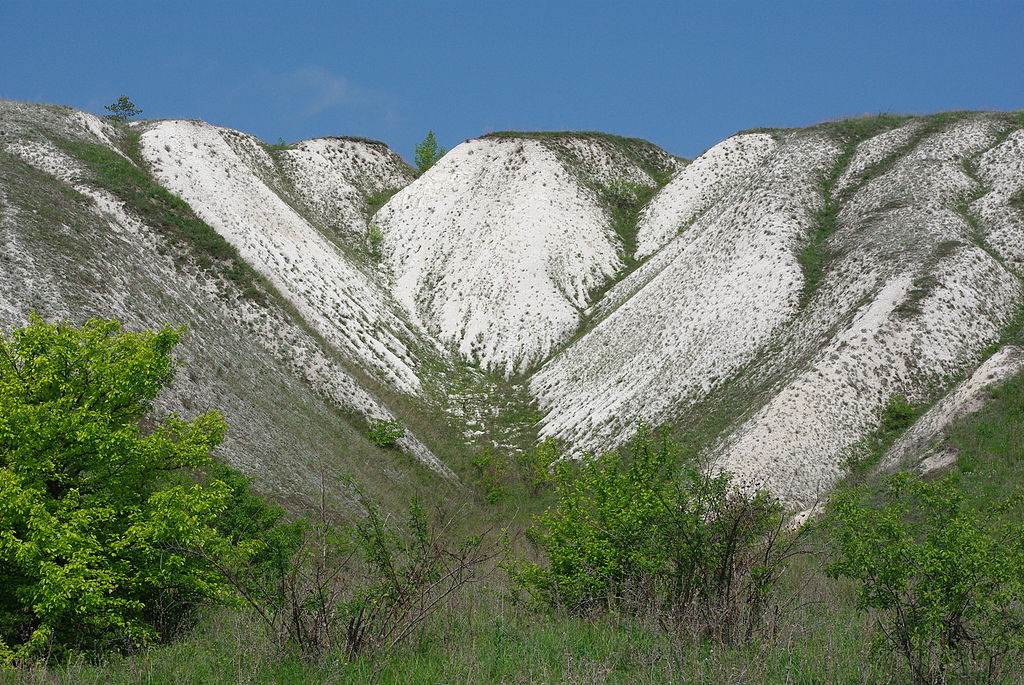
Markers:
<point>166,212</point>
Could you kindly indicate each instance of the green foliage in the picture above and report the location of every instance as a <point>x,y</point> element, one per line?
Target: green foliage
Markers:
<point>895,417</point>
<point>374,239</point>
<point>122,109</point>
<point>657,535</point>
<point>626,200</point>
<point>375,201</point>
<point>947,585</point>
<point>497,474</point>
<point>897,414</point>
<point>385,433</point>
<point>99,528</point>
<point>428,152</point>
<point>863,127</point>
<point>489,475</point>
<point>816,254</point>
<point>990,448</point>
<point>535,467</point>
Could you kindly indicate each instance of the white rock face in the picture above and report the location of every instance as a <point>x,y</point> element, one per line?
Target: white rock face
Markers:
<point>333,176</point>
<point>497,248</point>
<point>1002,209</point>
<point>801,313</point>
<point>224,175</point>
<point>694,189</point>
<point>933,302</point>
<point>907,299</point>
<point>874,150</point>
<point>272,361</point>
<point>697,311</point>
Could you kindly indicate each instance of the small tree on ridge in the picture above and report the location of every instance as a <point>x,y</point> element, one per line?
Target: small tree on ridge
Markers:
<point>428,152</point>
<point>122,109</point>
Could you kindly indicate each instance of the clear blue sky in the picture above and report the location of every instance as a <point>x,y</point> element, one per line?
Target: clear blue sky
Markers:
<point>681,74</point>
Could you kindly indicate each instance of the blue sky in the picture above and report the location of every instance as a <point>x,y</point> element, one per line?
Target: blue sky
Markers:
<point>681,74</point>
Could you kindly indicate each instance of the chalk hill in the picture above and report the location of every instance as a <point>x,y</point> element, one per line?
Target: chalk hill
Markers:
<point>768,298</point>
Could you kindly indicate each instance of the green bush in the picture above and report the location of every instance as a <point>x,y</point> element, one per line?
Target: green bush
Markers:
<point>535,467</point>
<point>946,586</point>
<point>374,240</point>
<point>657,535</point>
<point>894,419</point>
<point>108,534</point>
<point>385,433</point>
<point>898,414</point>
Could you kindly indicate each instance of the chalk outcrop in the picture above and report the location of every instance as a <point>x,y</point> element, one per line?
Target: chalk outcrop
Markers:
<point>769,298</point>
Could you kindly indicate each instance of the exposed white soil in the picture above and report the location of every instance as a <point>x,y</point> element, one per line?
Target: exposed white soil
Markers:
<point>355,170</point>
<point>497,247</point>
<point>201,302</point>
<point>225,176</point>
<point>874,150</point>
<point>505,255</point>
<point>935,302</point>
<point>700,309</point>
<point>921,446</point>
<point>699,185</point>
<point>1001,210</point>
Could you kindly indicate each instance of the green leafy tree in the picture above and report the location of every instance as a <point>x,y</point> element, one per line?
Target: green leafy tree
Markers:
<point>108,533</point>
<point>122,109</point>
<point>428,152</point>
<point>945,585</point>
<point>651,532</point>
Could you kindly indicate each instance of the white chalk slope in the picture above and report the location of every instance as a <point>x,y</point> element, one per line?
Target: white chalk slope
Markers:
<point>235,186</point>
<point>705,304</point>
<point>773,295</point>
<point>282,391</point>
<point>918,283</point>
<point>498,247</point>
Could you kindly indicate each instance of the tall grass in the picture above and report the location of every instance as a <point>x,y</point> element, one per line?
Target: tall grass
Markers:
<point>483,638</point>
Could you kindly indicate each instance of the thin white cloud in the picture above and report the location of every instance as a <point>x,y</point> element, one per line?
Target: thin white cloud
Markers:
<point>319,90</point>
<point>311,90</point>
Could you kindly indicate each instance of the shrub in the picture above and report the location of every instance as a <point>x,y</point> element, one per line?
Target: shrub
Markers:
<point>363,586</point>
<point>535,466</point>
<point>385,433</point>
<point>658,536</point>
<point>489,474</point>
<point>946,586</point>
<point>898,414</point>
<point>895,417</point>
<point>99,520</point>
<point>375,201</point>
<point>374,239</point>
